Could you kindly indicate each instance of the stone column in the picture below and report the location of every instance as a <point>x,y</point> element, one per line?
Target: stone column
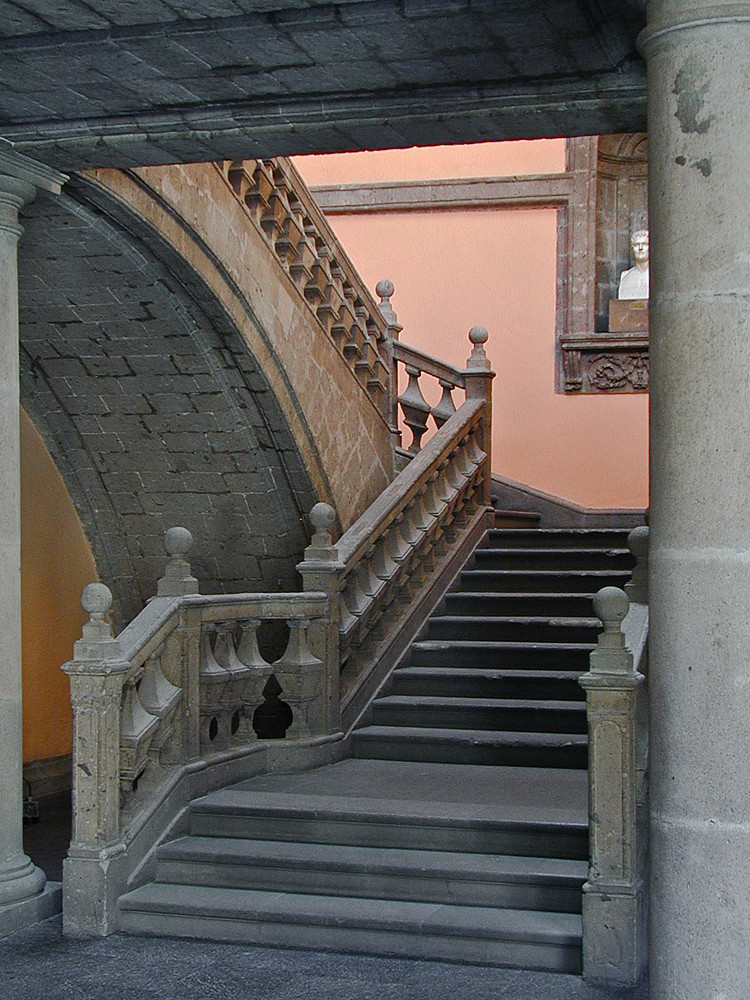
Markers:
<point>699,182</point>
<point>22,896</point>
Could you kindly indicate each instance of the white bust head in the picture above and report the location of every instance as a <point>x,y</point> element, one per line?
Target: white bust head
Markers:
<point>634,282</point>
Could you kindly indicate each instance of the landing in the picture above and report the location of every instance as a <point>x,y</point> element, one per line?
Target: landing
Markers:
<point>505,794</point>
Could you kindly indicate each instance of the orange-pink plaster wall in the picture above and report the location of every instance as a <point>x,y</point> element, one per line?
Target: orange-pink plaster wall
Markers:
<point>496,267</point>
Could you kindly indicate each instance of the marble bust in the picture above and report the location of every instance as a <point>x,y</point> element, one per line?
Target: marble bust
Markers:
<point>634,282</point>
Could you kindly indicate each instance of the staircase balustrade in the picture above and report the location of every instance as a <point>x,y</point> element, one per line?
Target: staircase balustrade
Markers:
<point>186,689</point>
<point>280,205</point>
<point>615,905</point>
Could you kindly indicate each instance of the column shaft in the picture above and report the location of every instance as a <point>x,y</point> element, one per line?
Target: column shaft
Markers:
<point>699,179</point>
<point>19,878</point>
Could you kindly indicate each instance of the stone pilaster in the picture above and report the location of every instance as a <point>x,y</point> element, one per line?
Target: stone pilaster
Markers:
<point>20,881</point>
<point>699,175</point>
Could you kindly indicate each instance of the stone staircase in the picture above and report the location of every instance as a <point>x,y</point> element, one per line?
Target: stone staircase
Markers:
<point>458,829</point>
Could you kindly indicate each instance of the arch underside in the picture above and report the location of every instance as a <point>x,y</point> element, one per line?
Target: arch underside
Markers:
<point>153,408</point>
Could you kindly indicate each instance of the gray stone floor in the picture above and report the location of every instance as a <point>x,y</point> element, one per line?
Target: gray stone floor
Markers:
<point>39,962</point>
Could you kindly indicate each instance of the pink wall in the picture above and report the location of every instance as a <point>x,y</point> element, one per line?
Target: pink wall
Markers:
<point>453,269</point>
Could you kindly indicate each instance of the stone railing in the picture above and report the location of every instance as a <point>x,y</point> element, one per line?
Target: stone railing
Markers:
<point>383,568</point>
<point>280,205</point>
<point>615,904</point>
<point>201,684</point>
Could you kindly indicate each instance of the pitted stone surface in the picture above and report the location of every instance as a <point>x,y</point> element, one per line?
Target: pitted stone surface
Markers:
<point>155,415</point>
<point>109,82</point>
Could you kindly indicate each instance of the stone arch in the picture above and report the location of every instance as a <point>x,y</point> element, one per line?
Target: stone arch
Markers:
<point>152,406</point>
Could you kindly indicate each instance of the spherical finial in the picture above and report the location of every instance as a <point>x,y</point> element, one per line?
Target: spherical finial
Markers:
<point>178,541</point>
<point>638,542</point>
<point>478,335</point>
<point>322,517</point>
<point>611,605</point>
<point>385,288</point>
<point>96,599</point>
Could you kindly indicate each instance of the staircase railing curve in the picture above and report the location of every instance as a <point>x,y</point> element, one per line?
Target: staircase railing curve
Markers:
<point>199,691</point>
<point>615,899</point>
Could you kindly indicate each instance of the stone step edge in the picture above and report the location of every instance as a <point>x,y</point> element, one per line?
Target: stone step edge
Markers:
<point>394,861</point>
<point>480,737</point>
<point>449,702</point>
<point>402,916</point>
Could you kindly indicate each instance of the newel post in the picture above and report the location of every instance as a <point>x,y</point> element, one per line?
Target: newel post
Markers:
<point>614,905</point>
<point>385,289</point>
<point>90,872</point>
<point>479,376</point>
<point>321,571</point>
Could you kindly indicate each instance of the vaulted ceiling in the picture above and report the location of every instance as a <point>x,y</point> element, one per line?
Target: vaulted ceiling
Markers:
<point>121,82</point>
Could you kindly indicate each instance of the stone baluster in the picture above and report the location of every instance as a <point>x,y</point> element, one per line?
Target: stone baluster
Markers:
<point>445,407</point>
<point>214,682</point>
<point>97,672</point>
<point>637,589</point>
<point>258,668</point>
<point>614,907</point>
<point>321,571</point>
<point>415,409</point>
<point>304,686</point>
<point>160,698</point>
<point>479,376</point>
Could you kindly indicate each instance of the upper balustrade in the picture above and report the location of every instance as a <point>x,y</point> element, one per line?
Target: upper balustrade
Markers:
<point>279,203</point>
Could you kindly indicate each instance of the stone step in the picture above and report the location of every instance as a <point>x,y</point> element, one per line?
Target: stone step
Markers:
<point>555,605</point>
<point>516,519</point>
<point>530,938</point>
<point>416,823</point>
<point>507,655</point>
<point>553,558</point>
<point>588,538</point>
<point>468,682</point>
<point>471,746</point>
<point>552,884</point>
<point>497,714</point>
<point>507,628</point>
<point>515,580</point>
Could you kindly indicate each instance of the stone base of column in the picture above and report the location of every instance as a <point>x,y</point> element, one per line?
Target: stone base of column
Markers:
<point>615,940</point>
<point>16,916</point>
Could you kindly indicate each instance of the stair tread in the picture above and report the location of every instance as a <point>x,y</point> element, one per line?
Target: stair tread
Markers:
<point>486,673</point>
<point>474,736</point>
<point>450,701</point>
<point>375,860</point>
<point>400,916</point>
<point>586,620</point>
<point>489,644</point>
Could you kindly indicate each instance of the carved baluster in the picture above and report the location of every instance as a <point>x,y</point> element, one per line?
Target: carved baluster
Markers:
<point>160,698</point>
<point>258,669</point>
<point>321,276</point>
<point>137,730</point>
<point>300,268</point>
<point>446,407</point>
<point>226,656</point>
<point>383,564</point>
<point>214,680</point>
<point>415,409</point>
<point>237,176</point>
<point>333,295</point>
<point>342,327</point>
<point>302,679</point>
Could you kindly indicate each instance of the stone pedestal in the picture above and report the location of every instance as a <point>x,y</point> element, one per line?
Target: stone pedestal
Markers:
<point>21,883</point>
<point>699,132</point>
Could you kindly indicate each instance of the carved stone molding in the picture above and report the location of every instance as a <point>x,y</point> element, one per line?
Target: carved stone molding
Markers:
<point>603,362</point>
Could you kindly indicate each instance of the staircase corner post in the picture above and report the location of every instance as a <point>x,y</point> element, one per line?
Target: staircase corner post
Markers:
<point>93,873</point>
<point>479,376</point>
<point>321,572</point>
<point>385,289</point>
<point>614,896</point>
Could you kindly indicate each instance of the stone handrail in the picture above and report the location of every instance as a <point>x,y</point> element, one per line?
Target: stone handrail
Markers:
<point>388,559</point>
<point>614,896</point>
<point>281,206</point>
